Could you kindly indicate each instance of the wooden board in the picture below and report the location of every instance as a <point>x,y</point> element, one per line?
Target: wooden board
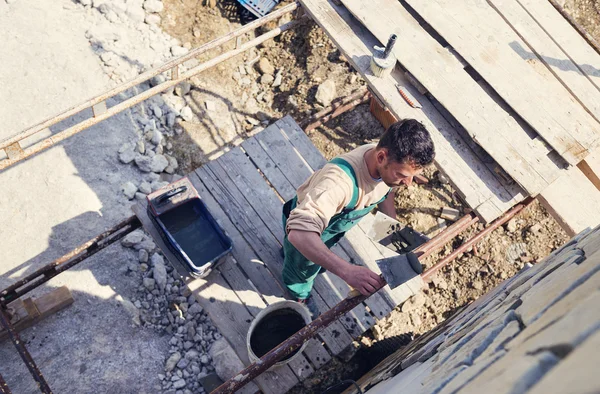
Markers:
<point>573,201</point>
<point>591,168</point>
<point>541,46</point>
<point>477,184</point>
<point>569,40</point>
<point>443,75</point>
<point>30,311</point>
<point>487,43</point>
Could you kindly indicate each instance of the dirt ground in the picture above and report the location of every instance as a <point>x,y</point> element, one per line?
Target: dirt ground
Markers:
<point>307,58</point>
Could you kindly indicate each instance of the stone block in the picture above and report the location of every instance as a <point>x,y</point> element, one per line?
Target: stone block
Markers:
<point>577,373</point>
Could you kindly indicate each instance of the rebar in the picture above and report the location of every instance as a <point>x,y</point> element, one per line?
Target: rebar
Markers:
<point>22,350</point>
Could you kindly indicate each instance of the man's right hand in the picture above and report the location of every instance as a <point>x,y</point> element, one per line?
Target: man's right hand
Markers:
<point>362,279</point>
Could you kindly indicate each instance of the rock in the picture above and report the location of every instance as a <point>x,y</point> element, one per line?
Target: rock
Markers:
<point>266,79</point>
<point>132,239</point>
<point>178,50</point>
<point>147,244</point>
<point>191,354</point>
<point>265,67</point>
<point>160,273</point>
<point>227,364</point>
<point>157,111</point>
<point>85,2</point>
<point>143,256</point>
<point>325,93</point>
<point>130,308</point>
<point>153,19</point>
<point>278,79</point>
<point>439,282</point>
<point>171,119</point>
<point>157,136</point>
<point>153,6</point>
<point>145,188</point>
<point>157,164</point>
<point>536,228</point>
<point>173,164</point>
<point>183,363</point>
<point>179,384</point>
<point>195,309</point>
<point>157,80</point>
<point>172,361</point>
<point>144,163</point>
<point>187,114</point>
<point>183,88</point>
<point>210,105</point>
<point>127,156</point>
<point>140,146</point>
<point>156,185</point>
<point>129,190</point>
<point>511,226</point>
<point>414,302</point>
<point>477,285</point>
<point>149,283</point>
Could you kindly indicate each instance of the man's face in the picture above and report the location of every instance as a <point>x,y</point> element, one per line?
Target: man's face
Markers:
<point>395,174</point>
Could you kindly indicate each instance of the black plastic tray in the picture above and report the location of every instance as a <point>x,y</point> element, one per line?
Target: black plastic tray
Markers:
<point>194,236</point>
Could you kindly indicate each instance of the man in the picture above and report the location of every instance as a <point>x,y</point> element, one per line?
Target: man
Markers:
<point>337,196</point>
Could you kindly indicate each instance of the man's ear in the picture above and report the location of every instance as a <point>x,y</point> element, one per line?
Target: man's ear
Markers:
<point>381,156</point>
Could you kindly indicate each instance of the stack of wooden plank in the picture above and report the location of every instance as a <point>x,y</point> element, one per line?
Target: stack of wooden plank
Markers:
<point>508,89</point>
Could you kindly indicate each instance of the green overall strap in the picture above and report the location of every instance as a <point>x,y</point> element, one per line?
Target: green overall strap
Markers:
<point>347,168</point>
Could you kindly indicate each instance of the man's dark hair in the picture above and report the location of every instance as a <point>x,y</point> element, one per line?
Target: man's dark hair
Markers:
<point>408,141</point>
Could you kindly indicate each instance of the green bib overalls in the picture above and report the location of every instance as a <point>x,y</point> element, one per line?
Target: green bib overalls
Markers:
<point>298,272</point>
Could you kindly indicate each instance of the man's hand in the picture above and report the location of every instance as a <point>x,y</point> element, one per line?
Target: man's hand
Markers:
<point>362,279</point>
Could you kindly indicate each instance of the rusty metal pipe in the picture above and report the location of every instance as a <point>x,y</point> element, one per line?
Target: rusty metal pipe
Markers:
<point>446,235</point>
<point>149,74</point>
<point>22,350</point>
<point>336,104</point>
<point>582,32</point>
<point>3,386</point>
<point>475,239</point>
<point>63,135</point>
<point>69,260</point>
<point>340,110</point>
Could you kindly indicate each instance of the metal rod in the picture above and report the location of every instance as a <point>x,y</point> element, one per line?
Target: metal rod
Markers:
<point>339,110</point>
<point>472,241</point>
<point>3,386</point>
<point>586,36</point>
<point>69,260</point>
<point>63,135</point>
<point>446,235</point>
<point>25,356</point>
<point>337,103</point>
<point>389,46</point>
<point>149,74</point>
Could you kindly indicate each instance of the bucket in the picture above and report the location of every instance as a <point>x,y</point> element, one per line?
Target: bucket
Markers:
<point>273,325</point>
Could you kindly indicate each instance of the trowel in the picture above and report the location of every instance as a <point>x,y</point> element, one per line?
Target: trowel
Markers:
<point>399,269</point>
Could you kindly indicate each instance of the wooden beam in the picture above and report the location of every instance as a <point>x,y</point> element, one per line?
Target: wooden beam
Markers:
<point>30,311</point>
<point>488,44</point>
<point>591,168</point>
<point>573,201</point>
<point>482,191</point>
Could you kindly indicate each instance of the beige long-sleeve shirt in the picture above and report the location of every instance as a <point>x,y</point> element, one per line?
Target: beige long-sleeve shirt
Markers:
<point>329,190</point>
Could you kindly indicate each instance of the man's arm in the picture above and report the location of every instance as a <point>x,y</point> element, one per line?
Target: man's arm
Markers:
<point>312,247</point>
<point>388,206</point>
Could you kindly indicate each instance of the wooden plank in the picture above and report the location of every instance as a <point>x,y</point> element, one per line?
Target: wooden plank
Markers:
<point>233,320</point>
<point>569,40</point>
<point>283,153</point>
<point>442,74</point>
<point>477,184</point>
<point>31,311</point>
<point>268,167</point>
<point>591,168</point>
<point>573,201</point>
<point>301,142</point>
<point>256,232</point>
<point>487,43</point>
<point>541,45</point>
